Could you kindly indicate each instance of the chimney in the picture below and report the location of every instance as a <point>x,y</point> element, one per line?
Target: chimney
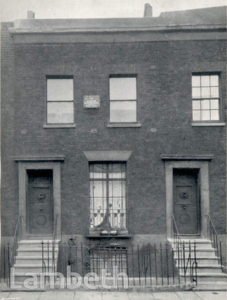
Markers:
<point>30,14</point>
<point>147,10</point>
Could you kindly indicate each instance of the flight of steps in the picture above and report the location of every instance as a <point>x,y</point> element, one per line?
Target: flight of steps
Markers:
<point>209,272</point>
<point>29,258</point>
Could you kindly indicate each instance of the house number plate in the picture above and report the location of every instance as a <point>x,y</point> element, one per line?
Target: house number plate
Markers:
<point>91,101</point>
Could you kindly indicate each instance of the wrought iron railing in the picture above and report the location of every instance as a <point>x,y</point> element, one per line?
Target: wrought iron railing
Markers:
<point>185,254</point>
<point>150,265</point>
<point>213,236</point>
<point>49,248</point>
<point>145,265</point>
<point>16,237</point>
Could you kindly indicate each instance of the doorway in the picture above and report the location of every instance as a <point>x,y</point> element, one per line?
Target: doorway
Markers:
<point>39,202</point>
<point>186,201</point>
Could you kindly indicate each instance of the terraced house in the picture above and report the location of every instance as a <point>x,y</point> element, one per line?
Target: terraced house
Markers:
<point>114,134</point>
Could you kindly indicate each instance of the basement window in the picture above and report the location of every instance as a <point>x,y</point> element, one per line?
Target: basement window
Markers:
<point>60,100</point>
<point>111,259</point>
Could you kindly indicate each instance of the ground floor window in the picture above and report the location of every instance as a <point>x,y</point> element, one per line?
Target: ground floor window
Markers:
<point>108,195</point>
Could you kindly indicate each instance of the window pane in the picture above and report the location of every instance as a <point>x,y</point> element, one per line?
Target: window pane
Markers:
<point>195,80</point>
<point>214,104</point>
<point>98,193</point>
<point>205,115</point>
<point>214,115</point>
<point>214,92</point>
<point>205,80</point>
<point>116,194</point>
<point>60,113</point>
<point>59,89</point>
<point>196,115</point>
<point>98,202</point>
<point>98,170</point>
<point>123,111</point>
<point>117,203</point>
<point>196,93</point>
<point>117,170</point>
<point>196,104</point>
<point>123,88</point>
<point>214,80</point>
<point>205,92</point>
<point>205,104</point>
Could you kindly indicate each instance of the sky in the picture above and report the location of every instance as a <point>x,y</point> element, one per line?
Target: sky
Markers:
<point>48,9</point>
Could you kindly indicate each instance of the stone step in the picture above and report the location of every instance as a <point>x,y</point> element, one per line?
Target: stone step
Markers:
<point>199,255</point>
<point>211,286</point>
<point>191,240</point>
<point>208,262</point>
<point>33,259</point>
<point>35,252</point>
<point>20,277</point>
<point>37,247</point>
<point>211,277</point>
<point>32,268</point>
<point>204,270</point>
<point>37,241</point>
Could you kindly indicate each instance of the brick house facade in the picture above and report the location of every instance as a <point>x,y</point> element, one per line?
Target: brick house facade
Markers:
<point>112,126</point>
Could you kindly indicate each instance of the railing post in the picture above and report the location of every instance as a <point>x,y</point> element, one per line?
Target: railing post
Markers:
<point>138,256</point>
<point>184,263</point>
<point>220,253</point>
<point>161,260</point>
<point>156,269</point>
<point>9,266</point>
<point>167,263</point>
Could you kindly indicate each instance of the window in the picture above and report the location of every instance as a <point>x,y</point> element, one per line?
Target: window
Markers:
<point>60,104</point>
<point>108,196</point>
<point>123,94</point>
<point>205,97</point>
<point>108,258</point>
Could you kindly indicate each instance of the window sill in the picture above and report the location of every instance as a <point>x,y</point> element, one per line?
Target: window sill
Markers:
<point>201,124</point>
<point>125,125</point>
<point>59,126</point>
<point>108,234</point>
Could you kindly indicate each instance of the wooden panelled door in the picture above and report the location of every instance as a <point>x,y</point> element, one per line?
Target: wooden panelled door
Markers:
<point>186,201</point>
<point>40,202</point>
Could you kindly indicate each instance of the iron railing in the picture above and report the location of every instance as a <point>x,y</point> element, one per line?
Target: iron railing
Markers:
<point>213,236</point>
<point>150,265</point>
<point>145,265</point>
<point>16,237</point>
<point>9,251</point>
<point>185,254</point>
<point>49,248</point>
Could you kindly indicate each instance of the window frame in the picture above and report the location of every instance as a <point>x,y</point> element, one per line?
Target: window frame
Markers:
<point>107,180</point>
<point>219,98</point>
<point>124,124</point>
<point>55,125</point>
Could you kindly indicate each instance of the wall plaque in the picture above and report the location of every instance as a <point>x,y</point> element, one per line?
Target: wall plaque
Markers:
<point>91,101</point>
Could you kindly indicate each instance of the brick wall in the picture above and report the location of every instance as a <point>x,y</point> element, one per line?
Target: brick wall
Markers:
<point>164,108</point>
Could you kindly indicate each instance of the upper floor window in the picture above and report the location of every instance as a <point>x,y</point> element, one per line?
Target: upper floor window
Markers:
<point>60,104</point>
<point>205,97</point>
<point>123,98</point>
<point>108,196</point>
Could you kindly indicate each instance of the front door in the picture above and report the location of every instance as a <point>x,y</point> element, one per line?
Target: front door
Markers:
<point>39,202</point>
<point>186,201</point>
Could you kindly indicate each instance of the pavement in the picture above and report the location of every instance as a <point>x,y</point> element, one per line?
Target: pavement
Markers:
<point>107,295</point>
